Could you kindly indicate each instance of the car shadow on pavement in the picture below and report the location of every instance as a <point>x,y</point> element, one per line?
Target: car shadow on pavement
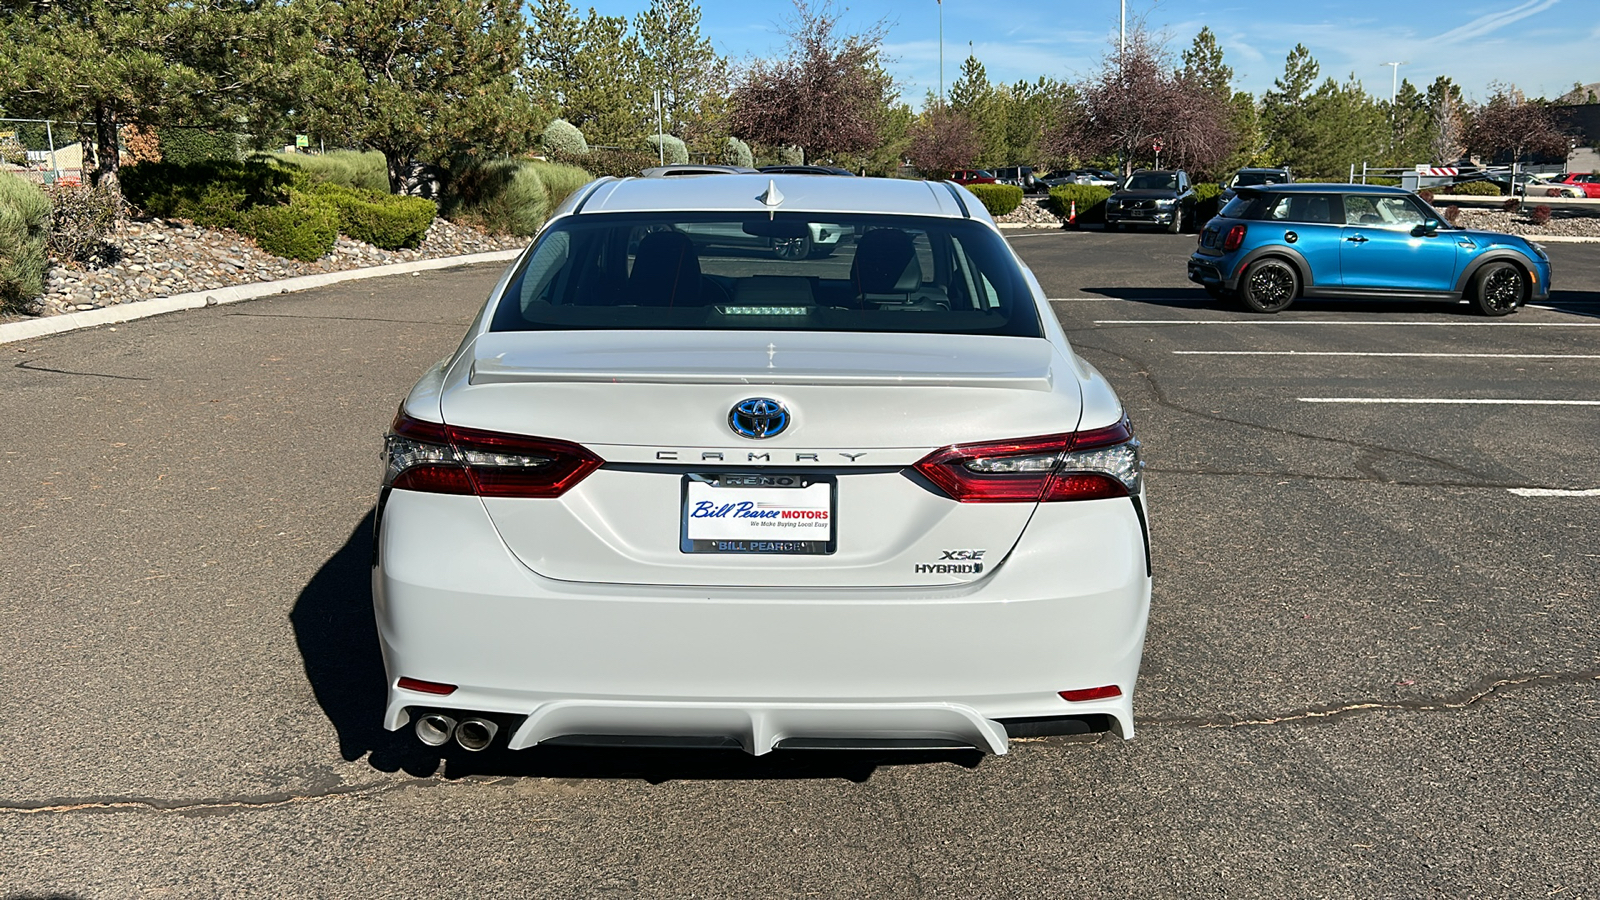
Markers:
<point>338,640</point>
<point>1196,298</point>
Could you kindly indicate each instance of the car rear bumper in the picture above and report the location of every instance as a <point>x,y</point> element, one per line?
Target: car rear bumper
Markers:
<point>1066,610</point>
<point>1207,271</point>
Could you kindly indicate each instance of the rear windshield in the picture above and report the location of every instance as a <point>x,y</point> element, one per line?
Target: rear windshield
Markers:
<point>788,271</point>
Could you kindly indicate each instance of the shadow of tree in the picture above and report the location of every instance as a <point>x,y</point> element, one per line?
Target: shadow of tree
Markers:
<point>338,641</point>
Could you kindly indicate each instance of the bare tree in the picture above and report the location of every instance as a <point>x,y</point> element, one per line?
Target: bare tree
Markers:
<point>826,97</point>
<point>1138,100</point>
<point>1510,123</point>
<point>942,140</point>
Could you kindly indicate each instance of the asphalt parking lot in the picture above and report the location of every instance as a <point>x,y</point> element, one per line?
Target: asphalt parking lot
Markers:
<point>1373,666</point>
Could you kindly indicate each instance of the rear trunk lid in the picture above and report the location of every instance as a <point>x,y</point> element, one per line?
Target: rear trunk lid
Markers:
<point>840,504</point>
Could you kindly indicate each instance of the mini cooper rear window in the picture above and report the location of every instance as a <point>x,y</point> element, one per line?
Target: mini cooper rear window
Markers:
<point>804,272</point>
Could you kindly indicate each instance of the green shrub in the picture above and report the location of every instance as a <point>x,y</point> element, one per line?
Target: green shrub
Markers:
<point>1384,180</point>
<point>191,145</point>
<point>563,140</point>
<point>80,218</point>
<point>1207,201</point>
<point>1475,189</point>
<point>351,168</point>
<point>791,156</point>
<point>999,199</point>
<point>501,196</point>
<point>668,148</point>
<point>1091,201</point>
<point>737,153</point>
<point>24,228</point>
<point>380,219</point>
<point>304,228</point>
<point>212,193</point>
<point>618,163</point>
<point>560,180</point>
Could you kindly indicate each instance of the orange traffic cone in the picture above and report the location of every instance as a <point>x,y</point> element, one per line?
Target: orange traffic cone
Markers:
<point>1072,216</point>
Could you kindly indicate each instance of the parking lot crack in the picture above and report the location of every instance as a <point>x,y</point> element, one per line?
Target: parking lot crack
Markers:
<point>210,806</point>
<point>1463,699</point>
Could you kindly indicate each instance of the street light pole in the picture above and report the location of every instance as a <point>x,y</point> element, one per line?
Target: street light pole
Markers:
<point>1394,82</point>
<point>941,49</point>
<point>1122,29</point>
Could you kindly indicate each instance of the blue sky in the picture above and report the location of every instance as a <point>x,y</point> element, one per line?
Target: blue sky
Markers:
<point>1542,46</point>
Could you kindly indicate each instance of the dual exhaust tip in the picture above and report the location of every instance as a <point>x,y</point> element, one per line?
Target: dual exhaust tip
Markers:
<point>472,733</point>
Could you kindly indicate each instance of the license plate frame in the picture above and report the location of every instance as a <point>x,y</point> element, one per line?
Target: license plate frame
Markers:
<point>756,524</point>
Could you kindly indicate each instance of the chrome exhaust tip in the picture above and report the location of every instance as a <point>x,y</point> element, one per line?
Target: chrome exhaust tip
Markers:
<point>476,734</point>
<point>434,729</point>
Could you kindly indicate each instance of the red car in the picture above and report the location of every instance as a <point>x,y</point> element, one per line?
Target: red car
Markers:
<point>972,176</point>
<point>1589,181</point>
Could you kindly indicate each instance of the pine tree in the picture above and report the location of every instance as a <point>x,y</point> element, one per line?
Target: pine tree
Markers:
<point>424,80</point>
<point>1284,120</point>
<point>679,61</point>
<point>148,63</point>
<point>982,107</point>
<point>1203,65</point>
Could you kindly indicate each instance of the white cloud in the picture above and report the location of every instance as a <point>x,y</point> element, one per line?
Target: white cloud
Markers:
<point>1494,21</point>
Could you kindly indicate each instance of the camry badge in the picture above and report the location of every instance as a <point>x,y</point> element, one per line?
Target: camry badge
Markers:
<point>758,417</point>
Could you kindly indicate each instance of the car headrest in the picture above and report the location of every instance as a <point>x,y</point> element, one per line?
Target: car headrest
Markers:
<point>886,263</point>
<point>666,271</point>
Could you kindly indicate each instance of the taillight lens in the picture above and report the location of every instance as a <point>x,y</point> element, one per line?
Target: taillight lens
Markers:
<point>444,459</point>
<point>1234,239</point>
<point>1083,465</point>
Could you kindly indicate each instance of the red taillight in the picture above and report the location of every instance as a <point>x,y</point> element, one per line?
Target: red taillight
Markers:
<point>1234,239</point>
<point>444,459</point>
<point>1105,692</point>
<point>1035,469</point>
<point>425,687</point>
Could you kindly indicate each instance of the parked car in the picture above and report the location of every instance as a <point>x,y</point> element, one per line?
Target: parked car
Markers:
<point>972,176</point>
<point>663,496</point>
<point>805,170</point>
<point>1588,182</point>
<point>1534,186</point>
<point>1254,178</point>
<point>672,170</point>
<point>1022,177</point>
<point>1273,244</point>
<point>1152,197</point>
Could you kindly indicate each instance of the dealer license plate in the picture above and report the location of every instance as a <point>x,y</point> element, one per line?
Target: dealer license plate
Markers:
<point>759,513</point>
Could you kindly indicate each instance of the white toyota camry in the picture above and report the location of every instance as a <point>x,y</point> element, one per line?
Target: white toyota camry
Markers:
<point>673,491</point>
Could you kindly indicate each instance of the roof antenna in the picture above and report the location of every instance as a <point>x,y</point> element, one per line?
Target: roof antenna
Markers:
<point>771,198</point>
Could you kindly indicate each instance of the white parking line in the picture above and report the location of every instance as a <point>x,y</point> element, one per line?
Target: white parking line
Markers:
<point>1449,401</point>
<point>1553,492</point>
<point>1334,322</point>
<point>1363,353</point>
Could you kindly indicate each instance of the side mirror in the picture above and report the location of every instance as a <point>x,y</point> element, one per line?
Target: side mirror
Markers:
<point>1429,228</point>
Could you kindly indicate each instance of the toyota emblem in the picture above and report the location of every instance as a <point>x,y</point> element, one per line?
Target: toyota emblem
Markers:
<point>758,417</point>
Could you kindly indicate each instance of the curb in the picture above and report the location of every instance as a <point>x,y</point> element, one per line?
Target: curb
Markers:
<point>143,309</point>
<point>1056,227</point>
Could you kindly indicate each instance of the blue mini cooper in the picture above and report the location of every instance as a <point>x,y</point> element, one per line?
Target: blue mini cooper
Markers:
<point>1272,244</point>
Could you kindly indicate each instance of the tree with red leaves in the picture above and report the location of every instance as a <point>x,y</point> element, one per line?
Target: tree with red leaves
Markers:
<point>1138,99</point>
<point>826,97</point>
<point>1510,123</point>
<point>942,140</point>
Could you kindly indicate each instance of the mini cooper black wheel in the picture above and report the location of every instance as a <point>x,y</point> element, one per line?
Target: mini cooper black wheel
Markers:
<point>1499,288</point>
<point>1269,285</point>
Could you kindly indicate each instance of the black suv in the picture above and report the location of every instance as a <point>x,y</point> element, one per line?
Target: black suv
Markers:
<point>1152,197</point>
<point>1254,178</point>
